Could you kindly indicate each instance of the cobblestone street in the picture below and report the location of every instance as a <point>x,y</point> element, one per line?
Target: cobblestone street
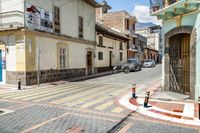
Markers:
<point>88,106</point>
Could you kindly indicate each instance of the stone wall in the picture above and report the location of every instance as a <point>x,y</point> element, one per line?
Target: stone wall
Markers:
<point>30,78</point>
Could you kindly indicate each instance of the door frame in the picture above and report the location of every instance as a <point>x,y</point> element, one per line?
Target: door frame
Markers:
<point>178,30</point>
<point>110,58</point>
<point>89,68</point>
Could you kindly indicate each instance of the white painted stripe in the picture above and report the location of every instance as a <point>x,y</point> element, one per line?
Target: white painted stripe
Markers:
<point>188,110</point>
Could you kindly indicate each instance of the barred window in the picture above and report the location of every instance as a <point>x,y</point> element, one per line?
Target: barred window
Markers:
<point>62,58</point>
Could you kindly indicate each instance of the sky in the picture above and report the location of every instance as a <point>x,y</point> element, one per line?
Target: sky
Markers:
<point>138,8</point>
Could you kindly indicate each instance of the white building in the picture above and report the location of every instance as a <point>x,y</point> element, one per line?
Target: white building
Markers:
<point>55,39</point>
<point>111,48</point>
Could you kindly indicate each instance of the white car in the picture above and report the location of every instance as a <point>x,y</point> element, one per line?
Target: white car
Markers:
<point>149,63</point>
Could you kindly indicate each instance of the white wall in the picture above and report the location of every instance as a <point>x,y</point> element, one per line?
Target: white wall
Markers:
<point>70,10</point>
<point>14,18</point>
<point>11,54</point>
<point>106,56</point>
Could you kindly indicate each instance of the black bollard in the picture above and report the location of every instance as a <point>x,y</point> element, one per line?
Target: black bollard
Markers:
<point>134,90</point>
<point>146,100</point>
<point>19,84</point>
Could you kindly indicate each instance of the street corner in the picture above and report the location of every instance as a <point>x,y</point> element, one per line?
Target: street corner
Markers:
<point>180,112</point>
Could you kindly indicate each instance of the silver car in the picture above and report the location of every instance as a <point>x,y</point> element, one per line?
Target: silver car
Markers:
<point>149,63</point>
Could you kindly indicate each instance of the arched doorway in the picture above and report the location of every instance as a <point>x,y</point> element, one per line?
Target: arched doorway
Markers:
<point>179,63</point>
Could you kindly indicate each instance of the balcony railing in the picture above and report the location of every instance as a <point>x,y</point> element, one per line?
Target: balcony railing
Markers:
<point>156,5</point>
<point>11,20</point>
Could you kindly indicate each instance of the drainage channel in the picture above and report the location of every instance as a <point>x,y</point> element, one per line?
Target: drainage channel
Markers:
<point>120,124</point>
<point>1,111</point>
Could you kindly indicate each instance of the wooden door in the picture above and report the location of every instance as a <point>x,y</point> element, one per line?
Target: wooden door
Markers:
<point>110,59</point>
<point>89,63</point>
<point>179,68</point>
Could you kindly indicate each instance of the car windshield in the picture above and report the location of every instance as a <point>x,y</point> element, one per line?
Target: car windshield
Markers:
<point>148,61</point>
<point>132,61</point>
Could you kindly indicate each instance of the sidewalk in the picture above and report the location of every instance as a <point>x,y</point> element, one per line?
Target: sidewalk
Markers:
<point>167,106</point>
<point>13,88</point>
<point>90,76</point>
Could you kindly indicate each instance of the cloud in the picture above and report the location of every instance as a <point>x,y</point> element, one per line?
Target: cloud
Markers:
<point>142,13</point>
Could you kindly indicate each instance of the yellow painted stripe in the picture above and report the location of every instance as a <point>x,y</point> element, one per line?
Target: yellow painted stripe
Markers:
<point>100,99</point>
<point>117,110</point>
<point>62,90</point>
<point>37,93</point>
<point>77,95</point>
<point>88,104</point>
<point>26,92</point>
<point>85,98</point>
<point>105,105</point>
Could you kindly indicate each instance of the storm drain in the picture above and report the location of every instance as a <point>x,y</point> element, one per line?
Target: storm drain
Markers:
<point>1,111</point>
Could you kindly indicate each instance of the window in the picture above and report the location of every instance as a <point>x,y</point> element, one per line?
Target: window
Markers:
<point>80,27</point>
<point>57,19</point>
<point>100,55</point>
<point>121,56</point>
<point>127,24</point>
<point>100,41</point>
<point>62,58</point>
<point>133,26</point>
<point>120,46</point>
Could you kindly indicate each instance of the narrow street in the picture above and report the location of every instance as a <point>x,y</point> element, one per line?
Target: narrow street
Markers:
<point>86,106</point>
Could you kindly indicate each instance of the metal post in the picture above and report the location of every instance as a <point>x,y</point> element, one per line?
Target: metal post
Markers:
<point>38,65</point>
<point>134,90</point>
<point>19,84</point>
<point>199,106</point>
<point>146,100</point>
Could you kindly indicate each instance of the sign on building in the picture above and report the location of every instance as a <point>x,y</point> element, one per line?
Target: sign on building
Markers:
<point>32,16</point>
<point>46,21</point>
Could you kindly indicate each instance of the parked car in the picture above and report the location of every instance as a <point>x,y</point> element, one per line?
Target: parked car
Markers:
<point>149,63</point>
<point>134,64</point>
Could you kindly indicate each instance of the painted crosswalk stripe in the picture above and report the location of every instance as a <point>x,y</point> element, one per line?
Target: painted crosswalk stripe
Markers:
<point>105,105</point>
<point>40,92</point>
<point>99,99</point>
<point>33,93</point>
<point>86,97</point>
<point>58,91</point>
<point>89,97</point>
<point>63,91</point>
<point>77,95</point>
<point>117,110</point>
<point>26,92</point>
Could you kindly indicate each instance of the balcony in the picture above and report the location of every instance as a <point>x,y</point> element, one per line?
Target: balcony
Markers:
<point>11,20</point>
<point>167,9</point>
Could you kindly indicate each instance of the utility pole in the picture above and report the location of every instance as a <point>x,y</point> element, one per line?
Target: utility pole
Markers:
<point>38,65</point>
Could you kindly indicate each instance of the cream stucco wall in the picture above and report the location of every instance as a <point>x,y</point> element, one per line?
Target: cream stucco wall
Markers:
<point>115,44</point>
<point>49,53</point>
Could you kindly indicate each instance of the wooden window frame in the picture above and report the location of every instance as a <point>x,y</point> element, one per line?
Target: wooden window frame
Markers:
<point>80,27</point>
<point>100,55</point>
<point>63,57</point>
